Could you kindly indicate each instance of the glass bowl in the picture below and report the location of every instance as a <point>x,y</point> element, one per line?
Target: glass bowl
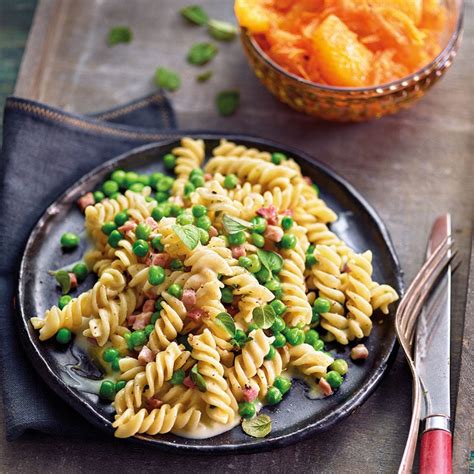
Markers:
<point>344,104</point>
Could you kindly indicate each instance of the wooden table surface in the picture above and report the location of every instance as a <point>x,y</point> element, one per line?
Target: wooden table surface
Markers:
<point>411,167</point>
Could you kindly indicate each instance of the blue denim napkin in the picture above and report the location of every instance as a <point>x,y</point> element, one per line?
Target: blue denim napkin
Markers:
<point>45,150</point>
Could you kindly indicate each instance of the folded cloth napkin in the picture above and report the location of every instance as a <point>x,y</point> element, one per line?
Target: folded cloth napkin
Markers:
<point>45,150</point>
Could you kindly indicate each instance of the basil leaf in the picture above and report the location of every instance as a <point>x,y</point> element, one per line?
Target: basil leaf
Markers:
<point>167,79</point>
<point>188,234</point>
<point>232,225</point>
<point>221,30</point>
<point>195,14</point>
<point>64,281</point>
<point>225,320</point>
<point>270,260</point>
<point>198,379</point>
<point>201,53</point>
<point>227,102</point>
<point>258,427</point>
<point>205,76</point>
<point>119,34</point>
<point>264,317</point>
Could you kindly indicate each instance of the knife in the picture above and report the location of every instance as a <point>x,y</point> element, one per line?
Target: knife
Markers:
<point>432,354</point>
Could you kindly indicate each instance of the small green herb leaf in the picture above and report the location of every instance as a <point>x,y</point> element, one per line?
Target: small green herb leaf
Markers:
<point>221,30</point>
<point>201,53</point>
<point>198,379</point>
<point>225,320</point>
<point>270,260</point>
<point>195,14</point>
<point>258,427</point>
<point>167,79</point>
<point>232,225</point>
<point>205,76</point>
<point>188,234</point>
<point>264,317</point>
<point>119,34</point>
<point>227,102</point>
<point>64,281</point>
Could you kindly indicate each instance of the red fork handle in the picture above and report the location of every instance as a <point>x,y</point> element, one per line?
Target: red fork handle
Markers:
<point>436,452</point>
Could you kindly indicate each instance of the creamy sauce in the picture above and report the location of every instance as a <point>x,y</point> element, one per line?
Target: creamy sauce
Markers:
<point>207,431</point>
<point>313,391</point>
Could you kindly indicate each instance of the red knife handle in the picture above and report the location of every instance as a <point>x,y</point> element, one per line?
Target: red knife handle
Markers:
<point>436,452</point>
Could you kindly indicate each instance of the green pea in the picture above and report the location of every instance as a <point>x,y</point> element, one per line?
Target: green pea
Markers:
<point>277,158</point>
<point>155,316</point>
<point>247,410</point>
<point>230,181</point>
<point>63,336</point>
<point>114,196</point>
<point>69,240</point>
<point>149,199</point>
<point>161,196</point>
<point>301,325</point>
<point>238,238</point>
<point>280,340</point>
<point>80,270</point>
<point>316,189</point>
<point>121,218</point>
<point>287,223</point>
<point>321,305</point>
<point>159,304</point>
<point>115,364</point>
<point>156,244</point>
<point>197,181</point>
<point>198,210</point>
<point>259,224</point>
<point>110,187</point>
<point>184,219</point>
<point>130,178</point>
<point>155,178</point>
<point>157,214</point>
<point>110,354</point>
<point>310,260</point>
<point>165,184</point>
<point>137,338</point>
<point>188,188</point>
<point>226,295</point>
<point>278,306</point>
<point>98,196</point>
<point>251,327</point>
<point>140,248</point>
<point>149,328</point>
<point>204,222</point>
<point>245,262</point>
<point>176,290</point>
<point>107,390</point>
<point>295,336</point>
<point>178,377</point>
<point>275,287</point>
<point>136,187</point>
<point>278,325</point>
<point>263,275</point>
<point>144,179</point>
<point>203,236</point>
<point>257,239</point>
<point>282,384</point>
<point>169,160</point>
<point>288,241</point>
<point>114,238</point>
<point>274,396</point>
<point>311,249</point>
<point>63,301</point>
<point>334,379</point>
<point>176,264</point>
<point>156,275</point>
<point>196,172</point>
<point>311,337</point>
<point>270,354</point>
<point>120,385</point>
<point>118,176</point>
<point>318,345</point>
<point>314,318</point>
<point>340,366</point>
<point>143,231</point>
<point>175,209</point>
<point>240,337</point>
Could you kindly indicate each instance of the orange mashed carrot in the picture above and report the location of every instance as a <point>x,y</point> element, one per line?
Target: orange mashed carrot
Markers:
<point>346,43</point>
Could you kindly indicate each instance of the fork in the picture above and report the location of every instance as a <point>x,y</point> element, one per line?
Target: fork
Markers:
<point>405,323</point>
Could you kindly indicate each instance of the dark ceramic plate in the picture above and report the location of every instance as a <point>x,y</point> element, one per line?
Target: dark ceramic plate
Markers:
<point>296,417</point>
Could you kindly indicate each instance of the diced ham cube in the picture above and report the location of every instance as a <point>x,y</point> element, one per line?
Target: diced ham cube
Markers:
<point>153,403</point>
<point>161,259</point>
<point>232,310</point>
<point>213,231</point>
<point>269,213</point>
<point>187,382</point>
<point>249,393</point>
<point>131,319</point>
<point>189,298</point>
<point>325,387</point>
<point>195,314</point>
<point>359,352</point>
<point>142,320</point>
<point>274,233</point>
<point>86,200</point>
<point>238,251</point>
<point>73,280</point>
<point>128,226</point>
<point>207,176</point>
<point>307,180</point>
<point>152,223</point>
<point>149,306</point>
<point>146,355</point>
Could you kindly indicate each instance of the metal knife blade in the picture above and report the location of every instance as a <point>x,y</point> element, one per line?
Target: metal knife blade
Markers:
<point>432,348</point>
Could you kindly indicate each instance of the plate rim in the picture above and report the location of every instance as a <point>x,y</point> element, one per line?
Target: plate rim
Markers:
<point>254,445</point>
